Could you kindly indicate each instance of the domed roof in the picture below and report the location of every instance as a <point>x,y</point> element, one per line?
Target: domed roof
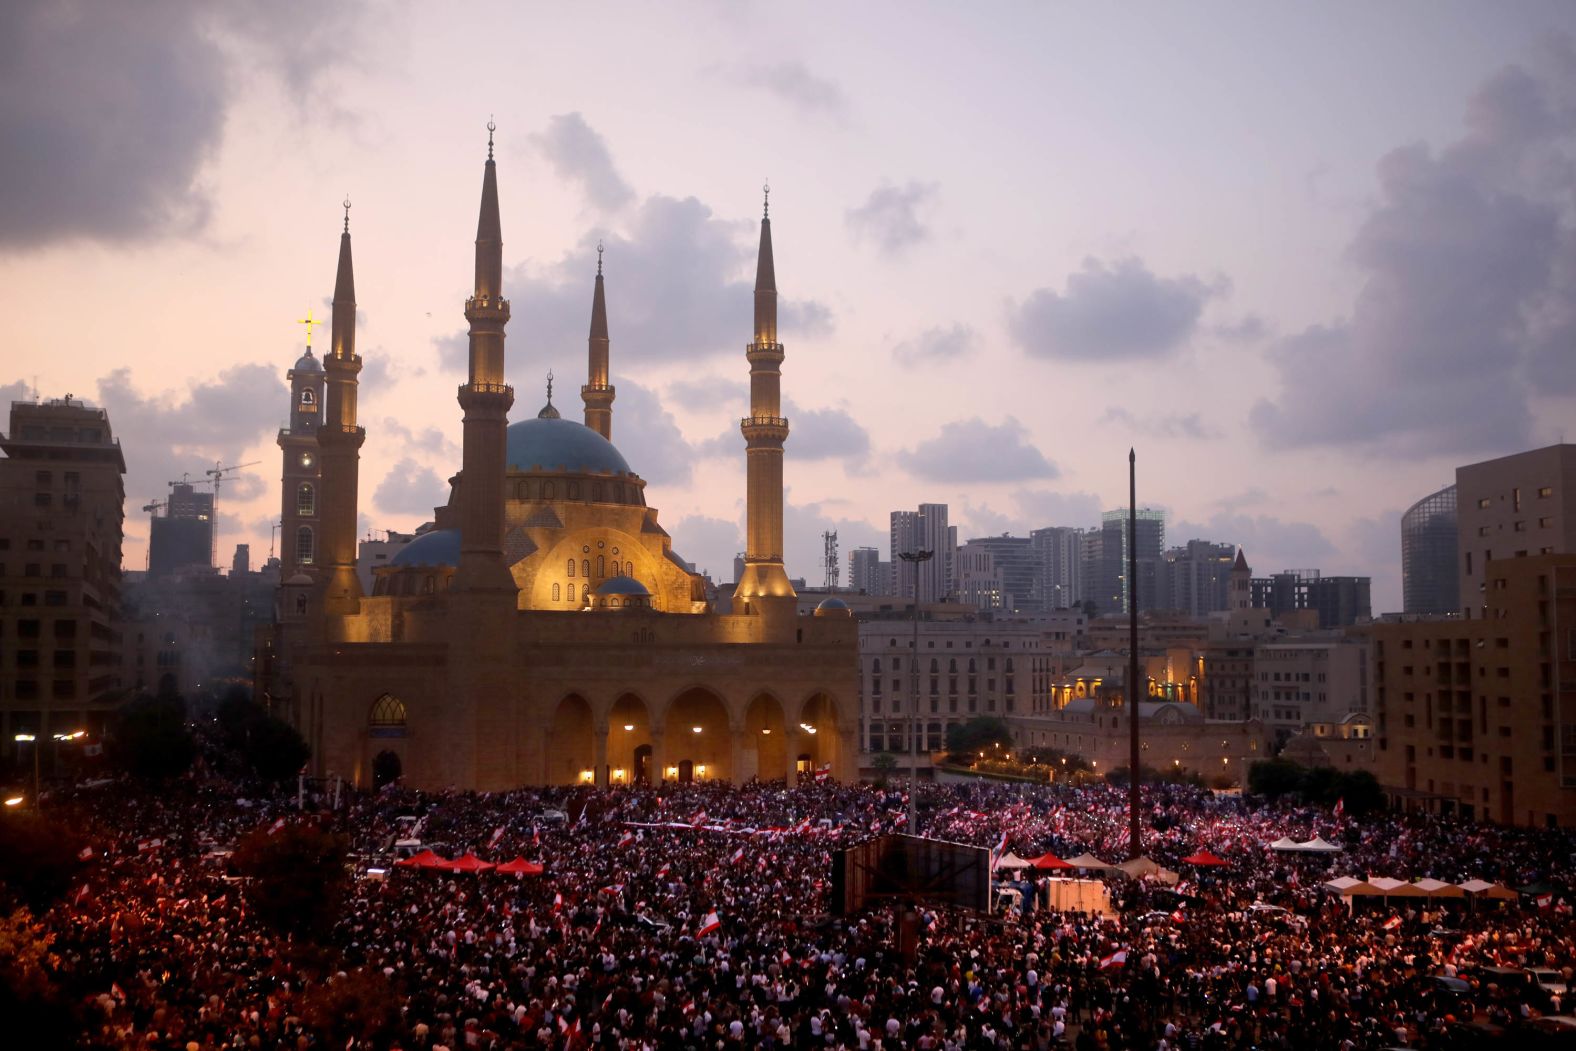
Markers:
<point>440,547</point>
<point>832,607</point>
<point>299,580</point>
<point>307,363</point>
<point>622,585</point>
<point>550,443</point>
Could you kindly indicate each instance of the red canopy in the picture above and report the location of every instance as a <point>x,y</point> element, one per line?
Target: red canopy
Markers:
<point>1048,861</point>
<point>424,860</point>
<point>1204,857</point>
<point>469,863</point>
<point>520,867</point>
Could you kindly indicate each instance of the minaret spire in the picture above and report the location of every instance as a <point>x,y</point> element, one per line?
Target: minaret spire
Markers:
<point>598,392</point>
<point>765,429</point>
<point>486,399</point>
<point>339,441</point>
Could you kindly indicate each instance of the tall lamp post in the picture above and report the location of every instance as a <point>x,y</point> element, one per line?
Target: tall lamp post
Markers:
<point>914,558</point>
<point>1133,792</point>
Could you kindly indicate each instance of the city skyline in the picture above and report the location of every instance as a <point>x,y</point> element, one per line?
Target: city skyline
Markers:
<point>984,313</point>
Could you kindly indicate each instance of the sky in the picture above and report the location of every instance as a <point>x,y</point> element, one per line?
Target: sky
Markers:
<point>1306,259</point>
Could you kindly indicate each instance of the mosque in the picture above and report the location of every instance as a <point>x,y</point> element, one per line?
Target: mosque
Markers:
<point>544,631</point>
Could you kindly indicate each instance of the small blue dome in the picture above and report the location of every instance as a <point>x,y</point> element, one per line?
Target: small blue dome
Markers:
<point>832,607</point>
<point>440,547</point>
<point>622,586</point>
<point>307,363</point>
<point>554,444</point>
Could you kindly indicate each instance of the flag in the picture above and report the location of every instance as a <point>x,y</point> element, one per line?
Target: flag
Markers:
<point>738,856</point>
<point>802,827</point>
<point>823,773</point>
<point>698,818</point>
<point>999,851</point>
<point>276,826</point>
<point>496,836</point>
<point>709,924</point>
<point>1116,959</point>
<point>1392,923</point>
<point>536,835</point>
<point>80,894</point>
<point>612,888</point>
<point>558,901</point>
<point>664,870</point>
<point>1545,900</point>
<point>85,854</point>
<point>627,839</point>
<point>1340,806</point>
<point>145,845</point>
<point>1176,917</point>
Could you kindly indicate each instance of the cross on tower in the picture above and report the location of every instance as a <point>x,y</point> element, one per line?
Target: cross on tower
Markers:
<point>310,322</point>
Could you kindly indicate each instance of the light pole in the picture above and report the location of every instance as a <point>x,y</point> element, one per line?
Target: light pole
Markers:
<point>914,558</point>
<point>33,740</point>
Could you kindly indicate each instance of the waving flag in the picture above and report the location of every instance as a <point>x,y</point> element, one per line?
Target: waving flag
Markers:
<point>1392,923</point>
<point>999,851</point>
<point>1340,807</point>
<point>698,818</point>
<point>664,870</point>
<point>627,839</point>
<point>496,836</point>
<point>709,924</point>
<point>1116,959</point>
<point>738,856</point>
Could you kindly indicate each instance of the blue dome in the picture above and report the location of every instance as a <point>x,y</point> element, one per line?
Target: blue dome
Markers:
<point>833,606</point>
<point>622,586</point>
<point>440,547</point>
<point>554,444</point>
<point>307,363</point>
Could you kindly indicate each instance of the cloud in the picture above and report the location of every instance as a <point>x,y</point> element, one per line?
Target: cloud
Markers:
<point>1166,425</point>
<point>410,488</point>
<point>937,344</point>
<point>454,350</point>
<point>428,442</point>
<point>1271,544</point>
<point>578,153</point>
<point>793,83</point>
<point>1250,328</point>
<point>825,434</point>
<point>803,547</point>
<point>110,112</point>
<point>968,451</point>
<point>1468,300</point>
<point>168,434</point>
<point>704,393</point>
<point>650,440</point>
<point>890,219</point>
<point>709,543</point>
<point>680,285</point>
<point>1040,508</point>
<point>1116,312</point>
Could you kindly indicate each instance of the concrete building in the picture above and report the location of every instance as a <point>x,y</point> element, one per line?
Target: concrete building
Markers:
<point>1430,582</point>
<point>998,573</point>
<point>968,667</point>
<point>1109,587</point>
<point>62,511</point>
<point>374,553</point>
<point>1301,682</point>
<point>924,530</point>
<point>1059,557</point>
<point>1196,579</point>
<point>183,535</point>
<point>1174,737</point>
<point>1330,602</point>
<point>868,573</point>
<point>544,631</point>
<point>1478,717</point>
<point>1226,688</point>
<point>1513,507</point>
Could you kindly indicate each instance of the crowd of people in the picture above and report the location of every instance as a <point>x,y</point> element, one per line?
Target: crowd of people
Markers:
<point>699,915</point>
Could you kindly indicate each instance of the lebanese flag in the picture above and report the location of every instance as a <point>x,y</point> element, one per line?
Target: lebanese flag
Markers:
<point>536,835</point>
<point>664,870</point>
<point>627,839</point>
<point>709,924</point>
<point>1340,807</point>
<point>1392,923</point>
<point>558,901</point>
<point>1176,917</point>
<point>496,836</point>
<point>276,826</point>
<point>698,818</point>
<point>999,851</point>
<point>802,827</point>
<point>824,773</point>
<point>85,854</point>
<point>145,845</point>
<point>612,888</point>
<point>738,856</point>
<point>1116,959</point>
<point>1545,900</point>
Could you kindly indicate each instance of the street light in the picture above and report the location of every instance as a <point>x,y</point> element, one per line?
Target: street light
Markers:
<point>914,558</point>
<point>33,740</point>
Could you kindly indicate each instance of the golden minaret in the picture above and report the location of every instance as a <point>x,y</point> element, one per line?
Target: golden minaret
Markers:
<point>598,392</point>
<point>765,429</point>
<point>339,441</point>
<point>486,399</point>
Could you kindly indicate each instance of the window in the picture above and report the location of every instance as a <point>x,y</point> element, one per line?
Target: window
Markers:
<point>558,593</point>
<point>585,567</point>
<point>571,594</point>
<point>1544,492</point>
<point>387,712</point>
<point>601,566</point>
<point>306,499</point>
<point>571,567</point>
<point>307,398</point>
<point>1484,503</point>
<point>305,551</point>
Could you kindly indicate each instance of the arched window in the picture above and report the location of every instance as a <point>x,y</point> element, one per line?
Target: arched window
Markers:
<point>574,490</point>
<point>585,567</point>
<point>558,593</point>
<point>307,397</point>
<point>387,711</point>
<point>934,667</point>
<point>952,665</point>
<point>596,492</point>
<point>571,594</point>
<point>571,567</point>
<point>300,605</point>
<point>306,499</point>
<point>304,546</point>
<point>547,490</point>
<point>601,566</point>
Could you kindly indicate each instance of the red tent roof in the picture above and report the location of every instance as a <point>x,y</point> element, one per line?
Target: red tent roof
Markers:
<point>426,859</point>
<point>1048,861</point>
<point>469,863</point>
<point>1204,857</point>
<point>520,867</point>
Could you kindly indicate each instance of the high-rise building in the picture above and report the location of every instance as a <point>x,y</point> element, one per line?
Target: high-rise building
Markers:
<point>1430,583</point>
<point>62,509</point>
<point>923,530</point>
<point>1111,586</point>
<point>1059,557</point>
<point>183,535</point>
<point>868,573</point>
<point>1196,579</point>
<point>1478,717</point>
<point>1339,602</point>
<point>1513,507</point>
<point>998,572</point>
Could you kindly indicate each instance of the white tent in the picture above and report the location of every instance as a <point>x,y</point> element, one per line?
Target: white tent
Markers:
<point>1010,860</point>
<point>1089,861</point>
<point>1319,845</point>
<point>1438,888</point>
<point>1396,888</point>
<point>1349,887</point>
<point>1483,889</point>
<point>1285,843</point>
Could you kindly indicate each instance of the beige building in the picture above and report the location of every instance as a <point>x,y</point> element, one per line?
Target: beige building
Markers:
<point>1308,680</point>
<point>1478,717</point>
<point>1173,736</point>
<point>545,631</point>
<point>62,508</point>
<point>1513,507</point>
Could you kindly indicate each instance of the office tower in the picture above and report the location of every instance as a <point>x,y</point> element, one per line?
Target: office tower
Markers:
<point>1429,544</point>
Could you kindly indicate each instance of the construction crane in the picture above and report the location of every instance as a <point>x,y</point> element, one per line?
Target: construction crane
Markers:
<point>152,508</point>
<point>217,473</point>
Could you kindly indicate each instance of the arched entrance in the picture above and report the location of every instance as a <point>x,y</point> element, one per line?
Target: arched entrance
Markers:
<point>698,731</point>
<point>386,769</point>
<point>765,740</point>
<point>820,734</point>
<point>628,742</point>
<point>570,755</point>
<point>686,771</point>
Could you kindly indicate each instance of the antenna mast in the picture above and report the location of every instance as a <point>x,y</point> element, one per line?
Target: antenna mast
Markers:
<point>834,572</point>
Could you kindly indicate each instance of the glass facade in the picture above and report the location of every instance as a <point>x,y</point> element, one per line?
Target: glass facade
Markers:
<point>1428,554</point>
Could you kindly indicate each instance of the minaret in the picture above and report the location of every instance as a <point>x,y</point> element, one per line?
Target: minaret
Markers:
<point>765,430</point>
<point>301,495</point>
<point>598,393</point>
<point>339,439</point>
<point>486,399</point>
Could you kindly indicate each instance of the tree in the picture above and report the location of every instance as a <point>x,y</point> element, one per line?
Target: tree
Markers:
<point>37,859</point>
<point>149,738</point>
<point>1360,792</point>
<point>884,763</point>
<point>270,748</point>
<point>355,1005</point>
<point>1273,778</point>
<point>35,1016</point>
<point>977,734</point>
<point>296,877</point>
